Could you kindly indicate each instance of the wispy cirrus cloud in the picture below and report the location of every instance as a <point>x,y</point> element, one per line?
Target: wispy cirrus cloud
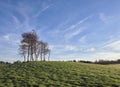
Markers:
<point>73,33</point>
<point>113,46</point>
<point>75,29</point>
<point>27,14</point>
<point>83,39</point>
<point>12,39</point>
<point>6,37</point>
<point>63,49</point>
<point>16,21</point>
<point>92,49</point>
<point>44,8</point>
<point>70,48</point>
<point>77,24</point>
<point>9,43</point>
<point>58,31</point>
<point>105,18</point>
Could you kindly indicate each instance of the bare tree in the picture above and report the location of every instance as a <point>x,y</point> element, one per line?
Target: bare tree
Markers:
<point>45,50</point>
<point>32,49</point>
<point>49,54</point>
<point>42,50</point>
<point>23,51</point>
<point>29,42</point>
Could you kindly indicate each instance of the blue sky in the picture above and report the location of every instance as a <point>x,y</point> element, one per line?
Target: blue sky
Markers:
<point>74,29</point>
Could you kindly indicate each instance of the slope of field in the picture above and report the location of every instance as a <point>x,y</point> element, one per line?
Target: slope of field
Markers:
<point>59,74</point>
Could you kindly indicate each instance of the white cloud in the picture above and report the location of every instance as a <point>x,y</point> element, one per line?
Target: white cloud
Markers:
<point>91,49</point>
<point>105,18</point>
<point>8,59</point>
<point>7,37</point>
<point>59,30</point>
<point>70,35</point>
<point>70,48</point>
<point>44,8</point>
<point>75,29</point>
<point>10,38</point>
<point>63,47</point>
<point>105,55</point>
<point>51,47</point>
<point>91,53</point>
<point>27,14</point>
<point>83,39</point>
<point>66,31</point>
<point>115,45</point>
<point>72,27</point>
<point>16,21</point>
<point>91,57</point>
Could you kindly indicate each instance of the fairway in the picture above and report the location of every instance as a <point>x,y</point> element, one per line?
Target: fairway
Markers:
<point>59,74</point>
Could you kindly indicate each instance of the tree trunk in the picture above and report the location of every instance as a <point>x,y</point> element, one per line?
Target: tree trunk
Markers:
<point>49,56</point>
<point>28,54</point>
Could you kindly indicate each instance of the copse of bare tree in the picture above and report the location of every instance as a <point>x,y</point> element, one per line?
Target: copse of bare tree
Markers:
<point>32,49</point>
<point>42,50</point>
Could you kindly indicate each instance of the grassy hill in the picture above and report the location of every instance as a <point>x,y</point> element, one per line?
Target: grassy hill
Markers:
<point>59,74</point>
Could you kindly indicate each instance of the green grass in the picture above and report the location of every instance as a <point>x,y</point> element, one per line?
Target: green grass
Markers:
<point>59,74</point>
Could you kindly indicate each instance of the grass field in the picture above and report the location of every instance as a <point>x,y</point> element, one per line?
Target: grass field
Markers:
<point>59,74</point>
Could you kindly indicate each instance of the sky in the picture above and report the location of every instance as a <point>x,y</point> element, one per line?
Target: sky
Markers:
<point>74,29</point>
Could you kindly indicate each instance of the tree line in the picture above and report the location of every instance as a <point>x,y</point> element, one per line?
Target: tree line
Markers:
<point>104,62</point>
<point>32,49</point>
